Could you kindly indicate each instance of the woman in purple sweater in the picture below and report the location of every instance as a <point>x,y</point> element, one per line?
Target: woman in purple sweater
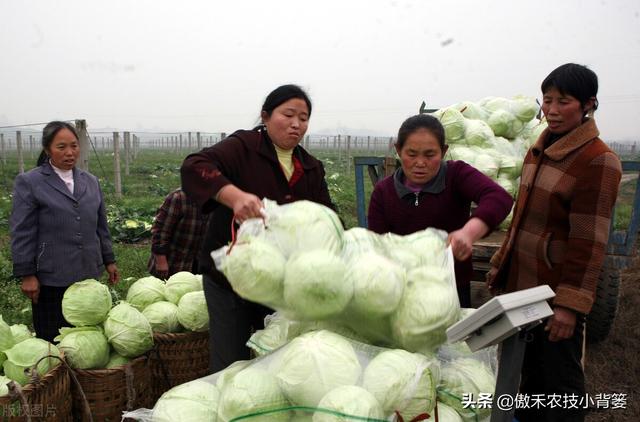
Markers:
<point>430,192</point>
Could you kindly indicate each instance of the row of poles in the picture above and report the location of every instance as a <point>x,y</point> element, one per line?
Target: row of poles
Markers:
<point>131,144</point>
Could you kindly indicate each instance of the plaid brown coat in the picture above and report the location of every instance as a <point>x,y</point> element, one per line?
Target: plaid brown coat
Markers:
<point>560,227</point>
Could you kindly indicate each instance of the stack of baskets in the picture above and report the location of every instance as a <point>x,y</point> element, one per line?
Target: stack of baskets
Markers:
<point>178,358</point>
<point>45,398</point>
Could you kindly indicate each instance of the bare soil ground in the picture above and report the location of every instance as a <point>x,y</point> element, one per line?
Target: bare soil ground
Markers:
<point>612,366</point>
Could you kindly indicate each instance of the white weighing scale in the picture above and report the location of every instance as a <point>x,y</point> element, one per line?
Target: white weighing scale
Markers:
<point>505,319</point>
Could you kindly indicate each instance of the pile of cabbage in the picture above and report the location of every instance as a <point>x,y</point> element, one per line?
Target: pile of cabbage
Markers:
<point>386,290</point>
<point>107,336</point>
<point>322,376</point>
<point>493,135</point>
<point>20,352</point>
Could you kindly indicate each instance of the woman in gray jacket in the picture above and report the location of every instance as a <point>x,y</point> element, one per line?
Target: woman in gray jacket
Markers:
<point>59,232</point>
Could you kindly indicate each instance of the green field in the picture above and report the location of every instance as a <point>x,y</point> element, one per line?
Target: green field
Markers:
<point>152,175</point>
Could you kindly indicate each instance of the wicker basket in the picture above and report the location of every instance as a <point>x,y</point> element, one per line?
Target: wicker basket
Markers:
<point>178,358</point>
<point>109,392</point>
<point>47,398</point>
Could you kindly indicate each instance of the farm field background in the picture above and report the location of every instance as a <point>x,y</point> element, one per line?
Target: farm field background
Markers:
<point>612,366</point>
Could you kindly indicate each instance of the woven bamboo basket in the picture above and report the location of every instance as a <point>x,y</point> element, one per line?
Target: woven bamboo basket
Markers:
<point>46,397</point>
<point>178,358</point>
<point>109,392</point>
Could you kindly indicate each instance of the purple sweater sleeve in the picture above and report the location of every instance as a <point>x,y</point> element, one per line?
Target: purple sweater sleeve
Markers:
<point>493,202</point>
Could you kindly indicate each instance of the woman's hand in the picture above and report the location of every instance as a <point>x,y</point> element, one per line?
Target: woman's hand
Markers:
<point>161,266</point>
<point>561,324</point>
<point>114,276</point>
<point>462,240</point>
<point>461,244</point>
<point>244,205</point>
<point>31,287</point>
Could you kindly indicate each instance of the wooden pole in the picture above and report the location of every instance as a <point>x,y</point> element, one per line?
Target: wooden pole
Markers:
<point>19,147</point>
<point>3,149</point>
<point>189,140</point>
<point>117,180</point>
<point>81,128</point>
<point>127,152</point>
<point>199,140</point>
<point>180,149</point>
<point>348,153</point>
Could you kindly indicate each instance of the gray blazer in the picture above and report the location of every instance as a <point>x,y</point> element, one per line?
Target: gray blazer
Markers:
<point>57,236</point>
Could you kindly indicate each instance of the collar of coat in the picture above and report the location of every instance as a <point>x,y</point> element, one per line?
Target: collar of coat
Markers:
<point>266,148</point>
<point>79,182</point>
<point>569,142</point>
<point>435,185</point>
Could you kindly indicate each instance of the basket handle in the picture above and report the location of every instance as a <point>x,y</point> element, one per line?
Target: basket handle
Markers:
<point>72,375</point>
<point>16,393</point>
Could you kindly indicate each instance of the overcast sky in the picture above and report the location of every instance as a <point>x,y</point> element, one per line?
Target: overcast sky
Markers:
<point>207,65</point>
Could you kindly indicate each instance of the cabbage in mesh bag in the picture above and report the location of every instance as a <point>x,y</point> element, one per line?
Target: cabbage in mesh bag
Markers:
<point>466,376</point>
<point>428,307</point>
<point>314,364</point>
<point>318,377</point>
<point>303,226</point>
<point>377,282</point>
<point>253,391</point>
<point>193,401</point>
<point>402,381</point>
<point>255,270</point>
<point>314,285</point>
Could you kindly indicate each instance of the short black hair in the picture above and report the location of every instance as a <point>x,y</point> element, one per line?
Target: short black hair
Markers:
<point>417,122</point>
<point>283,94</point>
<point>49,133</point>
<point>573,79</point>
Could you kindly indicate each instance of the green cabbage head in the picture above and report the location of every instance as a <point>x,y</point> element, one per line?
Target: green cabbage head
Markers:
<point>304,226</point>
<point>348,400</point>
<point>24,355</point>
<point>181,283</point>
<point>255,270</point>
<point>315,286</point>
<point>428,307</point>
<point>377,282</point>
<point>20,333</point>
<point>128,330</point>
<point>163,317</point>
<point>454,125</point>
<point>84,347</point>
<point>466,375</point>
<point>193,401</point>
<point>478,133</point>
<point>402,381</point>
<point>116,360</point>
<point>313,364</point>
<point>193,313</point>
<point>253,391</point>
<point>4,389</point>
<point>145,291</point>
<point>86,303</point>
<point>6,336</point>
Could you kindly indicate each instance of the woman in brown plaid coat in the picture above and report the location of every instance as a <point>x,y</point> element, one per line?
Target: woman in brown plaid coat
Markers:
<point>558,237</point>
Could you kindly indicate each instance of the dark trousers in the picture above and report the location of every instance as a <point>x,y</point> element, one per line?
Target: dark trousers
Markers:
<point>231,322</point>
<point>47,313</point>
<point>553,368</point>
